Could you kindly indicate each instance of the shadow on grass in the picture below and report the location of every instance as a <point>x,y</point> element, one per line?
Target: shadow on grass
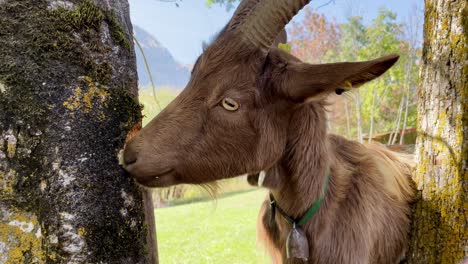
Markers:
<point>206,198</point>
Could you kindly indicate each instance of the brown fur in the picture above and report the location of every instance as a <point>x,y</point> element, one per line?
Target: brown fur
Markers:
<point>280,126</point>
<point>365,216</point>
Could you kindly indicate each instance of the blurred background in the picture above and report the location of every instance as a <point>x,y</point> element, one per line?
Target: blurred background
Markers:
<point>191,226</point>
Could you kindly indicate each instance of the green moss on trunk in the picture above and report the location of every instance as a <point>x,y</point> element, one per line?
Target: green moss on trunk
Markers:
<point>67,86</point>
<point>440,227</point>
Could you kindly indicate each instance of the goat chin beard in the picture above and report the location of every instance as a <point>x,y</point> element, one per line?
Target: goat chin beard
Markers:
<point>120,157</point>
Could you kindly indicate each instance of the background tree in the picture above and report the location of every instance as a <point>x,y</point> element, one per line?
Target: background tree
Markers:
<point>440,225</point>
<point>67,100</point>
<point>313,37</point>
<point>388,103</point>
<point>228,3</point>
<point>411,33</point>
<point>381,98</point>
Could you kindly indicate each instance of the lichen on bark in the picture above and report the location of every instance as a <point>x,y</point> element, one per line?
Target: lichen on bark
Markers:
<point>20,237</point>
<point>67,100</point>
<point>440,226</point>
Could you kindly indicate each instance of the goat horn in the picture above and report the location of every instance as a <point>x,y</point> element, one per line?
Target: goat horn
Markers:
<point>241,13</point>
<point>267,18</point>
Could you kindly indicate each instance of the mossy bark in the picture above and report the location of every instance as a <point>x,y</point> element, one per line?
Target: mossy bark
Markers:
<point>67,100</point>
<point>440,227</point>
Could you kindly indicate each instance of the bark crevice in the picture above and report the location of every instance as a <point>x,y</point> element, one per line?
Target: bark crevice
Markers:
<point>67,100</point>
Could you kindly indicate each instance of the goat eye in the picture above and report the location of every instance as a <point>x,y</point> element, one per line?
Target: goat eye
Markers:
<point>229,104</point>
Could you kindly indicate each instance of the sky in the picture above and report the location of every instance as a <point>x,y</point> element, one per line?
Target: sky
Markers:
<point>183,29</point>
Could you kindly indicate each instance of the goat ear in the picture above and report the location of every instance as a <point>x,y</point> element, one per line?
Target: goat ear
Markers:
<point>305,82</point>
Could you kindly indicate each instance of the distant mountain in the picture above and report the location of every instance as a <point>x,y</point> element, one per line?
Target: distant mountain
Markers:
<point>165,70</point>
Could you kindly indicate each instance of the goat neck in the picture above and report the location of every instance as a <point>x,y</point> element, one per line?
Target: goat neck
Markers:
<point>301,172</point>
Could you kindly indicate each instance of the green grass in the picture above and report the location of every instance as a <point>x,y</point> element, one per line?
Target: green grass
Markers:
<point>219,231</point>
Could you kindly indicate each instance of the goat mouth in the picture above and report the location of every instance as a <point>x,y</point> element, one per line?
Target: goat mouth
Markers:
<point>164,179</point>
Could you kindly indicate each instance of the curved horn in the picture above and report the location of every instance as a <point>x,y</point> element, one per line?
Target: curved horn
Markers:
<point>241,13</point>
<point>267,18</point>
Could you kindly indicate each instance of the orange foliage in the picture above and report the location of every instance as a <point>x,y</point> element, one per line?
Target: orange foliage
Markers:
<point>313,37</point>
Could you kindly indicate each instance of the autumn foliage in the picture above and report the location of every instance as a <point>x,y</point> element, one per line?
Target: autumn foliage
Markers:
<point>386,105</point>
<point>313,37</point>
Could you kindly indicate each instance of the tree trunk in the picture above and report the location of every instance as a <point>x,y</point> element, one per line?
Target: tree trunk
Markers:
<point>371,129</point>
<point>151,241</point>
<point>408,84</point>
<point>405,118</point>
<point>348,126</point>
<point>358,117</point>
<point>395,132</point>
<point>440,227</point>
<point>67,100</point>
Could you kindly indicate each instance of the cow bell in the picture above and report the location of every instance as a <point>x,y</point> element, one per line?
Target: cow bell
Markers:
<point>297,245</point>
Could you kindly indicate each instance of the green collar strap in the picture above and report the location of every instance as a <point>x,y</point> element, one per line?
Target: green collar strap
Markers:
<point>310,212</point>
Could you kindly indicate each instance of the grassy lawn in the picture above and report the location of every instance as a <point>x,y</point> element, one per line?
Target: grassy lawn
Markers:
<point>220,231</point>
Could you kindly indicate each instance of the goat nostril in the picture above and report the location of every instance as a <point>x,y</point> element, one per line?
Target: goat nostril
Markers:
<point>130,156</point>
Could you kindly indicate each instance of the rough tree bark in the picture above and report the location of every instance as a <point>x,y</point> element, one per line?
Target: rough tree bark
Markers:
<point>67,100</point>
<point>440,228</point>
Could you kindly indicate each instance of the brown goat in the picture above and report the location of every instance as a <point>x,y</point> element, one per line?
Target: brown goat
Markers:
<point>250,107</point>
